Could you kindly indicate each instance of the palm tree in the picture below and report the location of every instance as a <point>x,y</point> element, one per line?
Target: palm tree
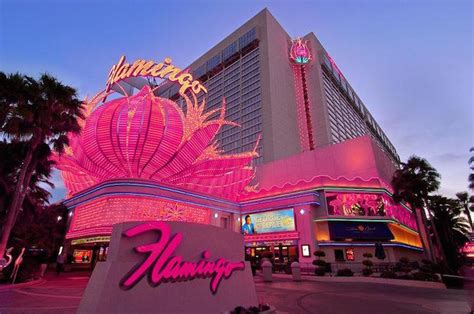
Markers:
<point>463,198</point>
<point>412,183</point>
<point>453,228</point>
<point>11,155</point>
<point>471,185</point>
<point>471,175</point>
<point>39,114</point>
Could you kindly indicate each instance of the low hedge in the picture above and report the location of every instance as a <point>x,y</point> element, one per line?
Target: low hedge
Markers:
<point>345,272</point>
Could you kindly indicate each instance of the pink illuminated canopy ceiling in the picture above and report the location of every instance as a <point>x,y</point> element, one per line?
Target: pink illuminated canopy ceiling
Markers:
<point>148,137</point>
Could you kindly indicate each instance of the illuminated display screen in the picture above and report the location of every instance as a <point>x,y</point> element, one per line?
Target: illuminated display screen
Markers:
<point>82,256</point>
<point>272,221</point>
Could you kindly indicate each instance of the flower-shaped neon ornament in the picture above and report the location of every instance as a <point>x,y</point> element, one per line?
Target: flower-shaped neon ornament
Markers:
<point>299,52</point>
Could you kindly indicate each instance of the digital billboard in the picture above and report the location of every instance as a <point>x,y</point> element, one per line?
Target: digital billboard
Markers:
<point>271,221</point>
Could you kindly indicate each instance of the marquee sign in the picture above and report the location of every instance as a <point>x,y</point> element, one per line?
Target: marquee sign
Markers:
<point>359,230</point>
<point>163,70</point>
<point>189,268</point>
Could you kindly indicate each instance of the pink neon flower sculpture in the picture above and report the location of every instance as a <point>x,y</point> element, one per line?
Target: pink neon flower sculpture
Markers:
<point>148,137</point>
<point>299,51</point>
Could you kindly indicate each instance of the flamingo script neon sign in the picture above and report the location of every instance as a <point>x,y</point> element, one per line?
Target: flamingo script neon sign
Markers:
<point>162,266</point>
<point>164,70</point>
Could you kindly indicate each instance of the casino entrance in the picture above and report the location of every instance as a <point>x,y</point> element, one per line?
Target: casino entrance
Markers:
<point>280,253</point>
<point>83,254</point>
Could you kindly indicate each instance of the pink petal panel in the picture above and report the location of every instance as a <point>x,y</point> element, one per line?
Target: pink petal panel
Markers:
<point>169,142</point>
<point>189,151</point>
<point>212,167</point>
<point>94,160</point>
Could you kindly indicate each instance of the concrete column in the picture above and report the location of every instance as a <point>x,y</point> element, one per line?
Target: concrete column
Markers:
<point>304,225</point>
<point>267,270</point>
<point>296,271</point>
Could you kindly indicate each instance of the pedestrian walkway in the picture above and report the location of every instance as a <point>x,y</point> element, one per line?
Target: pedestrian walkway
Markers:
<point>62,295</point>
<point>55,294</point>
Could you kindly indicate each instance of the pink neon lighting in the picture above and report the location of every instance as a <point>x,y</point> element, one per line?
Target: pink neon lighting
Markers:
<point>163,267</point>
<point>302,108</point>
<point>335,65</point>
<point>144,136</point>
<point>468,249</point>
<point>98,216</point>
<point>300,55</point>
<point>366,204</point>
<point>277,236</point>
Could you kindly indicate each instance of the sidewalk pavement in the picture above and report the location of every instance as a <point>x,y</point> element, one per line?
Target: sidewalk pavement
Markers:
<point>62,294</point>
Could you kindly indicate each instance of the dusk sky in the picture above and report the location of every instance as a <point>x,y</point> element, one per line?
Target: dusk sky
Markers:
<point>410,62</point>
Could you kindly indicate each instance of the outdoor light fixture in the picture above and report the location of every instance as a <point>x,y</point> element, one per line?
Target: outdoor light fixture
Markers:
<point>216,215</point>
<point>59,218</point>
<point>70,214</point>
<point>302,211</point>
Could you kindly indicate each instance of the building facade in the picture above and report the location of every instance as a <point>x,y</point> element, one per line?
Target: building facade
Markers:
<point>307,168</point>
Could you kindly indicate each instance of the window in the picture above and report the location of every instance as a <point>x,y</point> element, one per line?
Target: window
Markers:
<point>229,51</point>
<point>200,71</point>
<point>213,62</point>
<point>327,63</point>
<point>339,255</point>
<point>247,38</point>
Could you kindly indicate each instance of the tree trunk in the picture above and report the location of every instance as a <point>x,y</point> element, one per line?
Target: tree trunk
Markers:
<point>436,235</point>
<point>468,214</point>
<point>18,197</point>
<point>424,236</point>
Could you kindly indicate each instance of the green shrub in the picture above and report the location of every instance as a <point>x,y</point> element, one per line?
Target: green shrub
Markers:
<point>345,272</point>
<point>368,255</point>
<point>430,267</point>
<point>367,271</point>
<point>368,263</point>
<point>328,267</point>
<point>426,262</point>
<point>404,265</point>
<point>404,260</point>
<point>319,262</point>
<point>422,276</point>
<point>319,253</point>
<point>405,276</point>
<point>253,309</point>
<point>388,274</point>
<point>319,271</point>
